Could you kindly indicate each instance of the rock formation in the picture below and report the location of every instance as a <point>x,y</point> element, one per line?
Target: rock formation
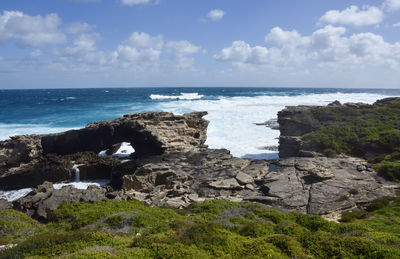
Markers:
<point>172,167</point>
<point>27,161</point>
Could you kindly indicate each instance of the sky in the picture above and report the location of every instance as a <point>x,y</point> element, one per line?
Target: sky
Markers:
<point>199,43</point>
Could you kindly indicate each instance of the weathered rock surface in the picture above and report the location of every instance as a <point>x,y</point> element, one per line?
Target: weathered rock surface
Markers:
<point>172,167</point>
<point>29,160</point>
<point>271,123</point>
<point>321,185</point>
<point>149,133</point>
<point>40,202</point>
<point>178,179</point>
<point>4,204</point>
<point>315,185</point>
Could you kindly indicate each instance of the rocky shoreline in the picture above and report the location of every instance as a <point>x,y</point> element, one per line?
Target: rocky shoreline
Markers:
<point>172,167</point>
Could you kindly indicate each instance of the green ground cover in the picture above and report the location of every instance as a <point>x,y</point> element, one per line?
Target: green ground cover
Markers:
<point>131,229</point>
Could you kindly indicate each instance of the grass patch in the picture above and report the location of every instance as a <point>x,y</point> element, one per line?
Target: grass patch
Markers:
<point>214,229</point>
<point>16,226</point>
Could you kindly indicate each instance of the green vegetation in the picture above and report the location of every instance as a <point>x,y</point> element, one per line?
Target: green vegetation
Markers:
<point>214,229</point>
<point>371,132</point>
<point>15,226</point>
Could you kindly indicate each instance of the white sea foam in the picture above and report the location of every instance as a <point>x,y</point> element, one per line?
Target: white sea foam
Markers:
<point>70,98</point>
<point>82,185</point>
<point>232,118</point>
<point>7,130</point>
<point>183,96</point>
<point>14,194</point>
<point>124,151</point>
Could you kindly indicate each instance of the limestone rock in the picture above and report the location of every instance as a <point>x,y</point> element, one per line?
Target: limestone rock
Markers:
<point>45,199</point>
<point>225,184</point>
<point>29,160</point>
<point>4,204</point>
<point>243,178</point>
<point>319,185</point>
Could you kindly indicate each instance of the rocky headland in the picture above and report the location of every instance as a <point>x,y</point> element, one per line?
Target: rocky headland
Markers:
<point>172,167</point>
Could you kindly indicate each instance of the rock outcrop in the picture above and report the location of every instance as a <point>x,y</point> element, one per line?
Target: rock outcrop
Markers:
<point>43,200</point>
<point>28,161</point>
<point>172,167</point>
<point>149,133</point>
<point>321,185</point>
<point>296,122</point>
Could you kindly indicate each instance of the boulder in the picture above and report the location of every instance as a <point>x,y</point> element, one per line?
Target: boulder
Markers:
<point>229,183</point>
<point>243,178</point>
<point>4,204</point>
<point>43,200</point>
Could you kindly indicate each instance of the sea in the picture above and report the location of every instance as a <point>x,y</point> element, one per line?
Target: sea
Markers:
<point>232,112</point>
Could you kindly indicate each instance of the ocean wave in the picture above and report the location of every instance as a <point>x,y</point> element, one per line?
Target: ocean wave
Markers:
<point>14,194</point>
<point>70,98</point>
<point>232,118</point>
<point>7,130</point>
<point>183,96</point>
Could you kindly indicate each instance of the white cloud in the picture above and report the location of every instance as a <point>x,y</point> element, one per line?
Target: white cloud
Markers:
<point>134,2</point>
<point>216,14</point>
<point>83,52</point>
<point>354,16</point>
<point>140,48</point>
<point>396,24</point>
<point>182,52</point>
<point>391,5</point>
<point>78,27</point>
<point>328,46</point>
<point>30,30</point>
<point>143,51</point>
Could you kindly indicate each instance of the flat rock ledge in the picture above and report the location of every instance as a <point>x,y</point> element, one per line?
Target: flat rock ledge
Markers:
<point>311,185</point>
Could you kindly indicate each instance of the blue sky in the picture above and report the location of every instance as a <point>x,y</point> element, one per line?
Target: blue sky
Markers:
<point>139,43</point>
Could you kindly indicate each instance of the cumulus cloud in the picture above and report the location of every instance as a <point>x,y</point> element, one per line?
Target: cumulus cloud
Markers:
<point>396,24</point>
<point>354,16</point>
<point>391,5</point>
<point>29,30</point>
<point>143,50</point>
<point>216,14</point>
<point>326,46</point>
<point>83,52</point>
<point>241,52</point>
<point>78,27</point>
<point>140,47</point>
<point>134,2</point>
<point>182,52</point>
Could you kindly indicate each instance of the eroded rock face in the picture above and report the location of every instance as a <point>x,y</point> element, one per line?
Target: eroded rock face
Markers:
<point>150,134</point>
<point>29,160</point>
<point>42,201</point>
<point>4,204</point>
<point>172,167</point>
<point>321,185</point>
<point>178,179</point>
